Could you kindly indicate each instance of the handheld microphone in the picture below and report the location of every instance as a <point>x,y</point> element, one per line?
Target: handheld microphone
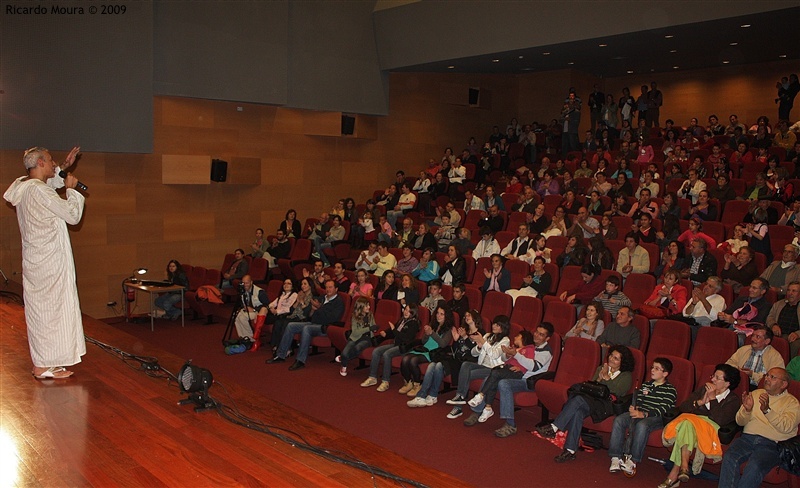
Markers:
<point>80,185</point>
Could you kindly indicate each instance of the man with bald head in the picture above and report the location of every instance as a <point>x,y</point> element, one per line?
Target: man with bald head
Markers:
<point>768,415</point>
<point>584,225</point>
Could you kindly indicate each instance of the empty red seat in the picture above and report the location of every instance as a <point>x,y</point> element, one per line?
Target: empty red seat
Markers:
<point>528,312</point>
<point>578,362</point>
<point>669,337</point>
<point>712,345</point>
<point>561,314</point>
<point>496,303</point>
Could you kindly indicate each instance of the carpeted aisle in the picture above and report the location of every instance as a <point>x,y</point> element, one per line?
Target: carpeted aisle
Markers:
<point>424,434</point>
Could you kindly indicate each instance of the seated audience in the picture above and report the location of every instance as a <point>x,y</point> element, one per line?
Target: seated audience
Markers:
<point>454,270</point>
<point>535,284</point>
<point>589,288</point>
<point>612,297</point>
<point>784,318</point>
<point>428,268</point>
<point>631,429</point>
<point>784,271</point>
<point>362,327</point>
<point>633,258</point>
<point>362,287</point>
<point>402,337</point>
<point>324,311</point>
<point>758,357</point>
<point>621,332</point>
<point>705,303</point>
<point>530,355</point>
<point>751,308</point>
<point>489,351</point>
<point>768,415</point>
<point>590,326</point>
<point>435,337</point>
<point>616,374</point>
<point>739,269</point>
<point>711,406</point>
<point>167,301</point>
<point>486,246</point>
<point>450,362</point>
<point>668,298</point>
<point>498,278</point>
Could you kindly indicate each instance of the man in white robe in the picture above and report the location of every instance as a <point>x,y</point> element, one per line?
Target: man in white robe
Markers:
<point>52,310</point>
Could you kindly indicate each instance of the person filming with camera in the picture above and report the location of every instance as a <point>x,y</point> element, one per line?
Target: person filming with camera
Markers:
<point>255,300</point>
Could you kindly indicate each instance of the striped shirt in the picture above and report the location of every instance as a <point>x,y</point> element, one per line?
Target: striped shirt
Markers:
<point>656,399</point>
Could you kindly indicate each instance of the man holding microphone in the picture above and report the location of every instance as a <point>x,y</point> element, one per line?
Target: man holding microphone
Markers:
<point>52,310</point>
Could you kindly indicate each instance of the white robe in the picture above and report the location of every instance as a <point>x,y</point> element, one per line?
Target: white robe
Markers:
<point>52,310</point>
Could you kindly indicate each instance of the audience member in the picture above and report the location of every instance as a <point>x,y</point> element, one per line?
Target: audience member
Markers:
<point>784,318</point>
<point>631,429</point>
<point>768,415</point>
<point>616,374</point>
<point>758,357</point>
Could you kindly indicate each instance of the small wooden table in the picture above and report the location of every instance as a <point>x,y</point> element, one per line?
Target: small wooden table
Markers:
<point>150,290</point>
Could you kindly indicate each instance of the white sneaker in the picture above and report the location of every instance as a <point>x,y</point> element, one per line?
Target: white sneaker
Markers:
<point>614,468</point>
<point>476,400</point>
<point>430,400</point>
<point>338,359</point>
<point>628,467</point>
<point>486,414</point>
<point>343,371</point>
<point>416,402</point>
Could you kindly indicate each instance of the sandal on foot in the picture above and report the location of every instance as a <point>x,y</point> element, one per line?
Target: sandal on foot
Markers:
<point>53,373</point>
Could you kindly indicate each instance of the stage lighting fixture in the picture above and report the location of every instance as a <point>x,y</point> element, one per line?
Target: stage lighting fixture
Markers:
<point>137,271</point>
<point>196,381</point>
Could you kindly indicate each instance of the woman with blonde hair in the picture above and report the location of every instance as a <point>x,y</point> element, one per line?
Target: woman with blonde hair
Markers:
<point>362,326</point>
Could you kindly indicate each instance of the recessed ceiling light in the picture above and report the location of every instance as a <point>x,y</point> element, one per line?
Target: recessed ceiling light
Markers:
<point>495,60</point>
<point>668,36</point>
<point>673,50</point>
<point>630,71</point>
<point>545,54</point>
<point>450,67</point>
<point>675,67</point>
<point>744,26</point>
<point>526,69</point>
<point>603,45</point>
<point>734,44</point>
<point>520,57</point>
<point>725,62</point>
<point>782,56</point>
<point>571,62</point>
<point>652,69</point>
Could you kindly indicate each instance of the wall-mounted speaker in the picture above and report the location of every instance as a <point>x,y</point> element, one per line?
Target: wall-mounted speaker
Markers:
<point>474,96</point>
<point>219,170</point>
<point>348,125</point>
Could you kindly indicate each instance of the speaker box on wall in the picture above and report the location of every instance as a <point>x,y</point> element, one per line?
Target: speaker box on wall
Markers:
<point>348,125</point>
<point>219,170</point>
<point>474,96</point>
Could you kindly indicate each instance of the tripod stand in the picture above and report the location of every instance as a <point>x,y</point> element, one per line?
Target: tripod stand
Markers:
<point>240,304</point>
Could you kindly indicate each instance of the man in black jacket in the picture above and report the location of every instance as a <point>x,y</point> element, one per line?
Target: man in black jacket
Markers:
<point>324,311</point>
<point>752,307</point>
<point>701,263</point>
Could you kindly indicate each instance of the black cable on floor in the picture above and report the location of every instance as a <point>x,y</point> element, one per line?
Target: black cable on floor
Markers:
<point>150,366</point>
